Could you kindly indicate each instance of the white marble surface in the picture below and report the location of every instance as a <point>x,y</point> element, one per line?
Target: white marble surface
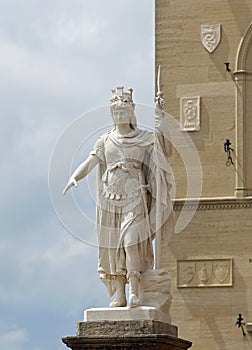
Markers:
<point>126,313</point>
<point>125,224</point>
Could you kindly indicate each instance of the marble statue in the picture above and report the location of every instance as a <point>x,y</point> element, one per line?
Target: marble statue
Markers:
<point>133,201</point>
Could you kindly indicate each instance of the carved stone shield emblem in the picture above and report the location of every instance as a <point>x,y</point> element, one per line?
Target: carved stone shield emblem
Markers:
<point>204,271</point>
<point>187,272</point>
<point>210,36</point>
<point>221,271</point>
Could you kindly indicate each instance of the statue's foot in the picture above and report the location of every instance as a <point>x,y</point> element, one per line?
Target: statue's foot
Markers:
<point>118,302</point>
<point>134,301</point>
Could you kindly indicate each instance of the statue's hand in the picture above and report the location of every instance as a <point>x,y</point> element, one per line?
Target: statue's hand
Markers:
<point>159,102</point>
<point>159,115</point>
<point>71,182</point>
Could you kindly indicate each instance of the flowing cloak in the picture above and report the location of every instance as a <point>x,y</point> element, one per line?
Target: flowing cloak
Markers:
<point>139,150</point>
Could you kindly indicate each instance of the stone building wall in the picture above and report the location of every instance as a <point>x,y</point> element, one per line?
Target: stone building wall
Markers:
<point>210,260</point>
<point>211,270</point>
<point>189,70</point>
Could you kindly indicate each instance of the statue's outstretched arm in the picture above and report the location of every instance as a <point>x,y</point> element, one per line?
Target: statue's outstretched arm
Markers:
<point>82,171</point>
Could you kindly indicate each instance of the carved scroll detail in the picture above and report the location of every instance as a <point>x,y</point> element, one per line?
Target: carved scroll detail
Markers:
<point>190,113</point>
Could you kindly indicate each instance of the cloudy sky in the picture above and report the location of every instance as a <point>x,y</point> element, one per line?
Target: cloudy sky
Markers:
<point>59,59</point>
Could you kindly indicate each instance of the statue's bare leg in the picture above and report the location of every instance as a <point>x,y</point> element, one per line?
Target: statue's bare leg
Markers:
<point>133,268</point>
<point>119,284</point>
<point>134,278</point>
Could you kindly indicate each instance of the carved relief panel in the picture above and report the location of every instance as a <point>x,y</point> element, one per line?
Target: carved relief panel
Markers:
<point>205,273</point>
<point>190,113</point>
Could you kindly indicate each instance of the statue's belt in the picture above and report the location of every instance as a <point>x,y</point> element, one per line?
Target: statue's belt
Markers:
<point>123,165</point>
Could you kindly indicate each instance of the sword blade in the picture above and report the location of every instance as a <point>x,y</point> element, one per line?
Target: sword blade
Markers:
<point>159,80</point>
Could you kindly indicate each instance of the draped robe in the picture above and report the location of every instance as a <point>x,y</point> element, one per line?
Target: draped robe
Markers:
<point>133,200</point>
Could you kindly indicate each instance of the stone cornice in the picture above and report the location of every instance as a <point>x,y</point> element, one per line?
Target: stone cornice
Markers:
<point>242,71</point>
<point>212,203</point>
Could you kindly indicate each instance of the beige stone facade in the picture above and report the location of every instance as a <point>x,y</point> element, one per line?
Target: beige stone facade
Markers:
<point>211,259</point>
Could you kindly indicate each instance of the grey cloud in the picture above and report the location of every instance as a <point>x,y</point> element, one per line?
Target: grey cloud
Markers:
<point>58,60</point>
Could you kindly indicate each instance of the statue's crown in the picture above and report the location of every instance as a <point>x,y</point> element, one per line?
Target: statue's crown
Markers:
<point>119,96</point>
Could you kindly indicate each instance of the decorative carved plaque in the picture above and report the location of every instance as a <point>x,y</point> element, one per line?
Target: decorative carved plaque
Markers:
<point>210,36</point>
<point>205,273</point>
<point>190,113</point>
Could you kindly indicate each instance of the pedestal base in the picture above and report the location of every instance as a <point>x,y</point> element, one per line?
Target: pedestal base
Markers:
<point>138,331</point>
<point>139,342</point>
<point>126,314</point>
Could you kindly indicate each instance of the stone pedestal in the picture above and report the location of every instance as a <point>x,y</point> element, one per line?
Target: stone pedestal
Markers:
<point>126,314</point>
<point>125,329</point>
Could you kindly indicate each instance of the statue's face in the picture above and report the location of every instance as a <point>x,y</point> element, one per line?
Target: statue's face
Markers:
<point>121,116</point>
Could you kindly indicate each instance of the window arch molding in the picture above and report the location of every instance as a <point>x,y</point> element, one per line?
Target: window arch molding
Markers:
<point>243,49</point>
<point>243,120</point>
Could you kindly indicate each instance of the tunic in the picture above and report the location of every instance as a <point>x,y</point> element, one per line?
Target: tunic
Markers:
<point>125,207</point>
